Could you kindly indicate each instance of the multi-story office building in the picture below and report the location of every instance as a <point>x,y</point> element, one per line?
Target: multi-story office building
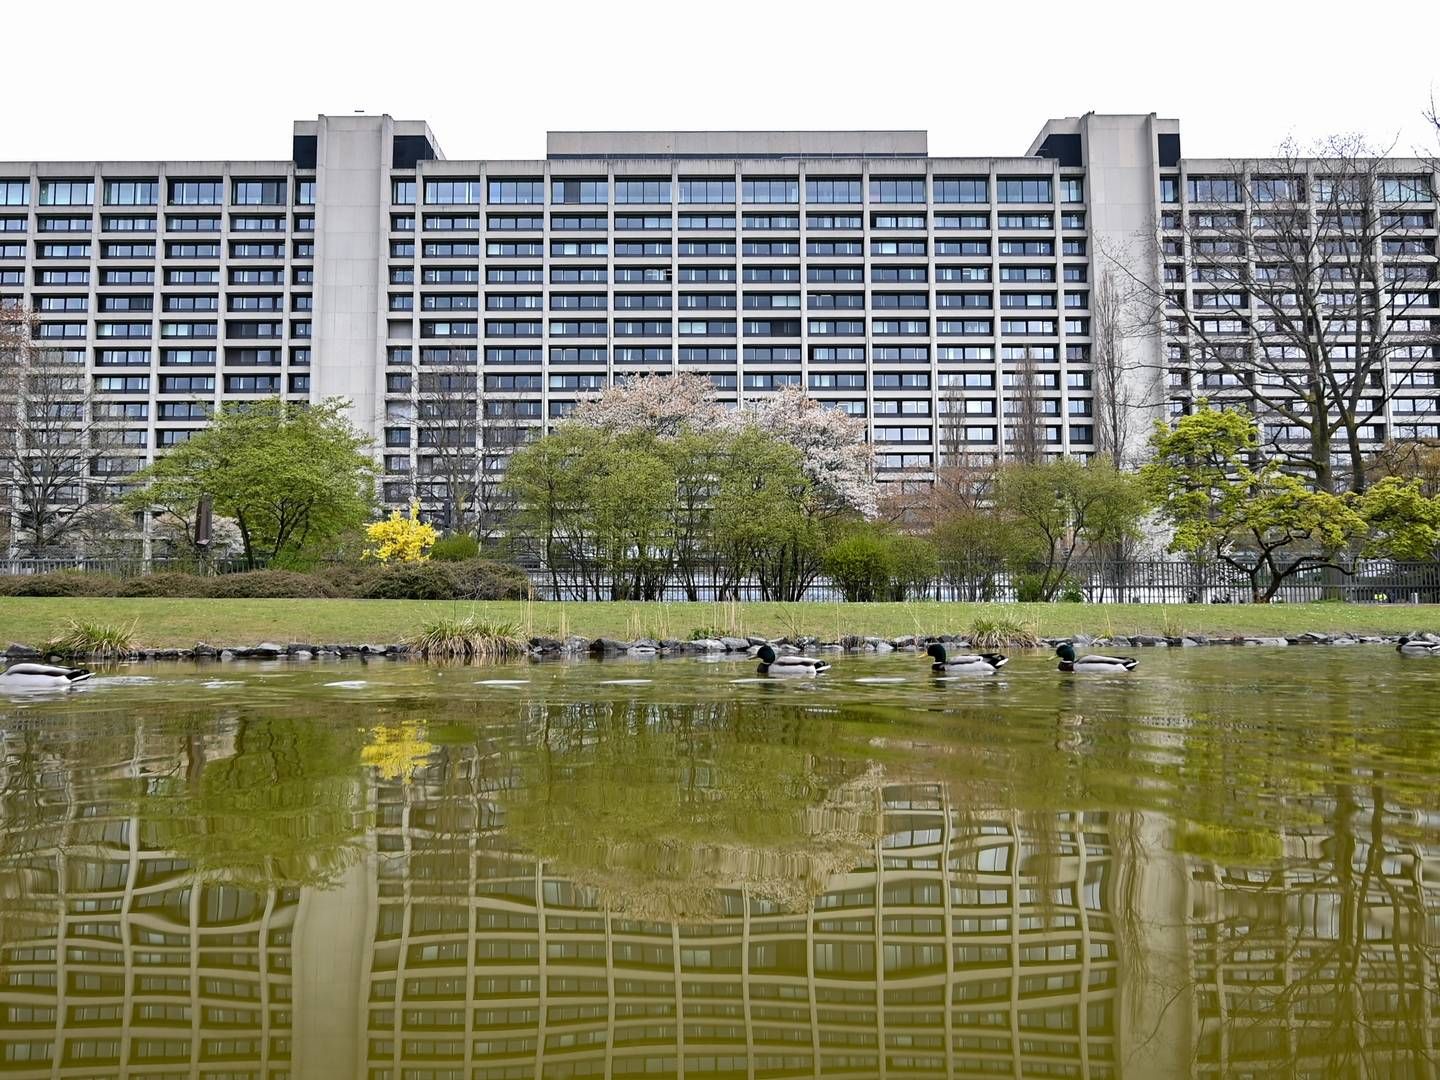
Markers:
<point>895,285</point>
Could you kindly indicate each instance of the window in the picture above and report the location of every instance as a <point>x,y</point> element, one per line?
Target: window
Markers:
<point>845,190</point>
<point>1169,189</point>
<point>1072,189</point>
<point>67,192</point>
<point>781,190</point>
<point>514,191</point>
<point>642,191</point>
<point>258,192</point>
<point>1213,189</point>
<point>14,193</point>
<point>1276,188</point>
<point>579,191</point>
<point>707,191</point>
<point>1023,190</point>
<point>402,192</point>
<point>196,192</point>
<point>905,190</point>
<point>1405,188</point>
<point>132,192</point>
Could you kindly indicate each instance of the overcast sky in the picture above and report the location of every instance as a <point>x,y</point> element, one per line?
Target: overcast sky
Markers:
<point>208,80</point>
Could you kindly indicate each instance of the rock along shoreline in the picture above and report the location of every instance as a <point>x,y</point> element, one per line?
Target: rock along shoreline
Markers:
<point>611,648</point>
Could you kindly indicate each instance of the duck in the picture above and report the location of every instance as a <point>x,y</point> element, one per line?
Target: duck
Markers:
<point>771,663</point>
<point>1408,646</point>
<point>968,664</point>
<point>41,677</point>
<point>1093,664</point>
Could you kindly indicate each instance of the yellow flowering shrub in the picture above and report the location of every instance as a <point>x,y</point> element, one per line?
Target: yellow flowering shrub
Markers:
<point>399,538</point>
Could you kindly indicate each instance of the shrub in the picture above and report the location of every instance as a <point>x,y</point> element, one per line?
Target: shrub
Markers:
<point>108,641</point>
<point>1070,592</point>
<point>60,583</point>
<point>465,638</point>
<point>265,584</point>
<point>456,548</point>
<point>999,632</point>
<point>485,579</point>
<point>412,581</point>
<point>399,538</point>
<point>861,565</point>
<point>1029,588</point>
<point>171,583</point>
<point>349,578</point>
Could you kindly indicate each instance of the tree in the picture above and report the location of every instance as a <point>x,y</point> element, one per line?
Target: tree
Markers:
<point>1255,517</point>
<point>1024,414</point>
<point>1303,303</point>
<point>1062,506</point>
<point>1401,521</point>
<point>456,429</point>
<point>401,538</point>
<point>56,442</point>
<point>293,476</point>
<point>1121,379</point>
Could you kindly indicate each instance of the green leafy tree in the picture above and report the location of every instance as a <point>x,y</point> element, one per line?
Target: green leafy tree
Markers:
<point>1401,522</point>
<point>293,477</point>
<point>873,561</point>
<point>1250,515</point>
<point>1059,508</point>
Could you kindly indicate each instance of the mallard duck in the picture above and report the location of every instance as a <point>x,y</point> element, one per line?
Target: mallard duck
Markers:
<point>1408,646</point>
<point>1093,664</point>
<point>968,664</point>
<point>41,677</point>
<point>771,663</point>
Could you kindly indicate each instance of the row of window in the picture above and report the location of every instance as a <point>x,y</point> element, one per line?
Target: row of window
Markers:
<point>661,301</point>
<point>174,249</point>
<point>469,328</point>
<point>508,249</point>
<point>758,190</point>
<point>437,356</point>
<point>299,328</point>
<point>54,223</point>
<point>1070,219</point>
<point>273,275</point>
<point>1265,189</point>
<point>146,192</point>
<point>184,302</point>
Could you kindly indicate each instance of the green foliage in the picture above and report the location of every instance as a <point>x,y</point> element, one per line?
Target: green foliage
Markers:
<point>295,479</point>
<point>474,579</point>
<point>1401,521</point>
<point>95,640</point>
<point>1254,517</point>
<point>454,548</point>
<point>266,583</point>
<point>61,583</point>
<point>621,514</point>
<point>464,637</point>
<point>411,581</point>
<point>873,562</point>
<point>1070,592</point>
<point>999,632</point>
<point>1058,508</point>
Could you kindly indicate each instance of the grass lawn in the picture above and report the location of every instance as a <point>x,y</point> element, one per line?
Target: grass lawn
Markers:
<point>161,623</point>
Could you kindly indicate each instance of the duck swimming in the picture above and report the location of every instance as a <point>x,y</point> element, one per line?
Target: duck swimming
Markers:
<point>1093,664</point>
<point>1408,646</point>
<point>772,663</point>
<point>967,664</point>
<point>41,677</point>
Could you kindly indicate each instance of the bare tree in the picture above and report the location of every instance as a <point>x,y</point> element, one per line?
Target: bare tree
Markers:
<point>456,426</point>
<point>56,444</point>
<point>1025,418</point>
<point>1287,286</point>
<point>1127,388</point>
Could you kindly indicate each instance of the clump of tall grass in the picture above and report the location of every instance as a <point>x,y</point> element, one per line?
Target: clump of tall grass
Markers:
<point>96,640</point>
<point>999,632</point>
<point>464,637</point>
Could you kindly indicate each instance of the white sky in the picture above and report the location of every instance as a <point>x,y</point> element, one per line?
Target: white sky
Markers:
<point>210,79</point>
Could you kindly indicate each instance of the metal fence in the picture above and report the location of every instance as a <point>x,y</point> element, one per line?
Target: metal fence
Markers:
<point>1155,581</point>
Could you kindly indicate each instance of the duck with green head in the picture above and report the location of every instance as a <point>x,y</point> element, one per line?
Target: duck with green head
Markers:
<point>1092,663</point>
<point>1417,646</point>
<point>965,664</point>
<point>771,663</point>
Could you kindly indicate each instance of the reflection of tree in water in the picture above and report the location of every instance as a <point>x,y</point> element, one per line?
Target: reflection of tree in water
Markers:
<point>660,806</point>
<point>286,807</point>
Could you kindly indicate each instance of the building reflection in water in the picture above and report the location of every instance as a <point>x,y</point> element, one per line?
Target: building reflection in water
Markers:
<point>389,923</point>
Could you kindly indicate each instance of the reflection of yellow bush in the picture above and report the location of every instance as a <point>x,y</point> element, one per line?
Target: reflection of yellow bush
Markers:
<point>402,539</point>
<point>397,750</point>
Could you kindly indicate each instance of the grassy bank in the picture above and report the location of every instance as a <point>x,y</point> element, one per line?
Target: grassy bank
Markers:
<point>162,623</point>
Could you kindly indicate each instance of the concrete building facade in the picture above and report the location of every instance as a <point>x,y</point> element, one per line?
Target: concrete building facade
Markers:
<point>486,297</point>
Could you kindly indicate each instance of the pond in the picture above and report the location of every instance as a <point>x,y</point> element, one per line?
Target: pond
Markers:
<point>1227,863</point>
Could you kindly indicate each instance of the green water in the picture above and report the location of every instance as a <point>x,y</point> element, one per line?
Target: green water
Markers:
<point>1227,864</point>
